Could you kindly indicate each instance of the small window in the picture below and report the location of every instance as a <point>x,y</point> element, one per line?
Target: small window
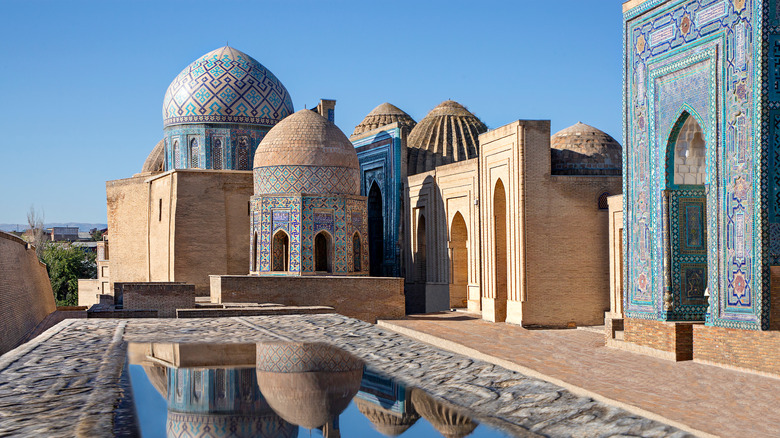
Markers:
<point>603,204</point>
<point>159,210</point>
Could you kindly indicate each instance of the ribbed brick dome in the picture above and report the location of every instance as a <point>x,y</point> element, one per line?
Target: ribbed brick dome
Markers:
<point>306,153</point>
<point>384,115</point>
<point>584,150</point>
<point>155,162</point>
<point>449,133</point>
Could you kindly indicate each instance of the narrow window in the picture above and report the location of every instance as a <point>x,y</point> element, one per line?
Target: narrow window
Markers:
<point>176,155</point>
<point>603,204</point>
<point>159,210</point>
<point>194,153</point>
<point>216,154</point>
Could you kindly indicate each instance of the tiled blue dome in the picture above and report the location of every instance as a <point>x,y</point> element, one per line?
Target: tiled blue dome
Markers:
<point>226,86</point>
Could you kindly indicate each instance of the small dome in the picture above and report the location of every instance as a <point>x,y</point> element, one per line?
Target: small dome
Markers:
<point>308,384</point>
<point>383,115</point>
<point>443,416</point>
<point>155,162</point>
<point>324,159</point>
<point>449,133</point>
<point>584,150</point>
<point>386,422</point>
<point>229,86</point>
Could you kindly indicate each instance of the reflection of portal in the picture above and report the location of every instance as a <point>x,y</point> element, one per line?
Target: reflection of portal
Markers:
<point>500,248</point>
<point>323,252</point>
<point>375,230</point>
<point>281,251</point>
<point>459,262</point>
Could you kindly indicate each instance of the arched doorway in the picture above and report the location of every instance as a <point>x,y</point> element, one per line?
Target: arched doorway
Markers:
<point>323,252</point>
<point>500,250</point>
<point>254,252</point>
<point>281,252</point>
<point>357,253</point>
<point>421,261</point>
<point>375,231</point>
<point>685,213</point>
<point>459,262</point>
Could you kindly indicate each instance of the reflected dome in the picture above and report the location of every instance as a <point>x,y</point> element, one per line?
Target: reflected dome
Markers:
<point>443,416</point>
<point>307,384</point>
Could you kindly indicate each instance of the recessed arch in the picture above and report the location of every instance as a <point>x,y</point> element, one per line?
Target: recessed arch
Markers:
<point>194,153</point>
<point>375,230</point>
<point>254,252</point>
<point>280,250</point>
<point>421,257</point>
<point>686,150</point>
<point>357,252</point>
<point>323,252</point>
<point>500,253</point>
<point>176,155</point>
<point>217,154</point>
<point>459,261</point>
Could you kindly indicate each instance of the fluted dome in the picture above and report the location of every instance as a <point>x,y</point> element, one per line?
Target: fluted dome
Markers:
<point>386,422</point>
<point>308,154</point>
<point>584,150</point>
<point>383,115</point>
<point>449,133</point>
<point>155,162</point>
<point>308,384</point>
<point>228,86</point>
<point>443,416</point>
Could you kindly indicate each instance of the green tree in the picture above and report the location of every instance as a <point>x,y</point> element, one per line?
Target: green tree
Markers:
<point>66,264</point>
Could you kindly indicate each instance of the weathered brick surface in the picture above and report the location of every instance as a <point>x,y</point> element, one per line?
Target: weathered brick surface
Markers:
<point>366,298</point>
<point>674,337</point>
<point>754,350</point>
<point>26,297</point>
<point>252,311</point>
<point>165,298</point>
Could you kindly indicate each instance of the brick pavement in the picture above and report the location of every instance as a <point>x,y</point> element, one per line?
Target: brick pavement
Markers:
<point>706,398</point>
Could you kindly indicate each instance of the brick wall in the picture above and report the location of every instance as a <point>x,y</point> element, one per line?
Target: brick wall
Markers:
<point>165,298</point>
<point>26,297</point>
<point>754,350</point>
<point>672,337</point>
<point>366,298</point>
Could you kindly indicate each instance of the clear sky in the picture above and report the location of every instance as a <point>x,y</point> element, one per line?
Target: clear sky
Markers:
<point>82,83</point>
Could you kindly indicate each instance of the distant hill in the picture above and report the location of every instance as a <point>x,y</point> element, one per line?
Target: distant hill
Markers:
<point>82,226</point>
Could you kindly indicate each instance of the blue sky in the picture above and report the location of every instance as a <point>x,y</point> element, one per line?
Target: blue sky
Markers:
<point>82,83</point>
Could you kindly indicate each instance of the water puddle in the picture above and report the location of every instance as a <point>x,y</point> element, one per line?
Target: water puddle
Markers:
<point>281,389</point>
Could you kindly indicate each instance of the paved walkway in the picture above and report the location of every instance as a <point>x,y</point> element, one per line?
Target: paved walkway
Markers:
<point>706,398</point>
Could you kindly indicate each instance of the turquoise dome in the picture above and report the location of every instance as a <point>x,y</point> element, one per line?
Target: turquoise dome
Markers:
<point>226,86</point>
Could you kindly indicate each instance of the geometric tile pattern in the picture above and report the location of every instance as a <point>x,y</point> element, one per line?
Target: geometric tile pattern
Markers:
<point>702,58</point>
<point>305,179</point>
<point>298,357</point>
<point>226,85</point>
<point>380,164</point>
<point>301,217</point>
<point>236,145</point>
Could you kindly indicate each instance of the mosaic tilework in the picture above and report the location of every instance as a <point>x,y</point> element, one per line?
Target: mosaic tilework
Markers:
<point>698,58</point>
<point>302,217</point>
<point>687,254</point>
<point>305,179</point>
<point>226,85</point>
<point>380,163</point>
<point>236,144</point>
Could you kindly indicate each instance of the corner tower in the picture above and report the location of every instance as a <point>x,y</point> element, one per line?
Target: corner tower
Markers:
<point>218,109</point>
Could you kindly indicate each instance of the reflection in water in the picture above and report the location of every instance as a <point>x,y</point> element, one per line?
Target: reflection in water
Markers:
<point>290,385</point>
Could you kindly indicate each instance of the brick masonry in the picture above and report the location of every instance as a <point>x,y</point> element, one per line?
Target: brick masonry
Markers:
<point>754,350</point>
<point>366,298</point>
<point>672,337</point>
<point>165,298</point>
<point>26,296</point>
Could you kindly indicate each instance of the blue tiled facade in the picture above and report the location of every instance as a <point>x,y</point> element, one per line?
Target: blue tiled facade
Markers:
<point>380,163</point>
<point>701,59</point>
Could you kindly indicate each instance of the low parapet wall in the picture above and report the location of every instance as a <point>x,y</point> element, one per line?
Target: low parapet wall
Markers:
<point>366,298</point>
<point>26,297</point>
<point>165,298</point>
